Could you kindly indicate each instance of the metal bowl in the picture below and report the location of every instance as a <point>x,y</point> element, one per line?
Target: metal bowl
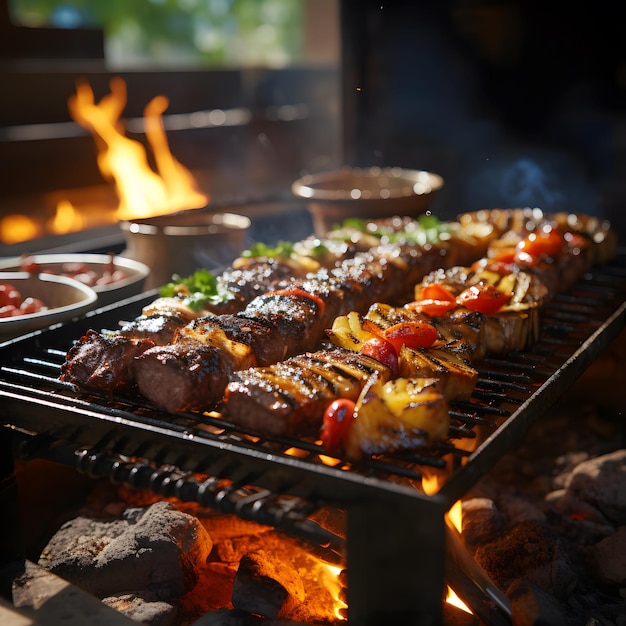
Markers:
<point>65,299</point>
<point>183,242</point>
<point>132,280</point>
<point>367,193</point>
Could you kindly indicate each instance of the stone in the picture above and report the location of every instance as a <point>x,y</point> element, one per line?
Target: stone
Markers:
<point>144,608</point>
<point>266,587</point>
<point>481,520</point>
<point>532,606</point>
<point>610,558</point>
<point>157,549</point>
<point>601,482</point>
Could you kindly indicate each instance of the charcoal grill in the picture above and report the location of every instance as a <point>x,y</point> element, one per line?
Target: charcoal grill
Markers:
<point>395,537</point>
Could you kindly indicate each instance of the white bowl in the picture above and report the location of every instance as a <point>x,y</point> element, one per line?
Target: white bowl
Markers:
<point>65,298</point>
<point>367,193</point>
<point>134,272</point>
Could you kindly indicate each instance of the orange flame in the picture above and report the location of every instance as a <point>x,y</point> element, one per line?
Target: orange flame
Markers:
<point>16,228</point>
<point>142,191</point>
<point>430,485</point>
<point>330,575</point>
<point>66,219</point>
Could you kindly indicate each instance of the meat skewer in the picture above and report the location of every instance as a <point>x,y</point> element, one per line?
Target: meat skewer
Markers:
<point>290,398</point>
<point>192,371</point>
<point>96,360</point>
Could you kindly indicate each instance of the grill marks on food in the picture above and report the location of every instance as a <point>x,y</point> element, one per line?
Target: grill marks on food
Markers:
<point>289,398</point>
<point>273,327</point>
<point>102,361</point>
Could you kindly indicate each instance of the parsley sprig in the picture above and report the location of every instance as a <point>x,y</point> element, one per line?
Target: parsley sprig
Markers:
<point>196,291</point>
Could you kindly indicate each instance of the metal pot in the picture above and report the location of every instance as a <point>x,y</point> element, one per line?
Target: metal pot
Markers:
<point>181,243</point>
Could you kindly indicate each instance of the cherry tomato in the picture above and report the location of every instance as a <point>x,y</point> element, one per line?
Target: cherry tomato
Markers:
<point>338,418</point>
<point>502,263</point>
<point>9,310</point>
<point>383,351</point>
<point>9,295</point>
<point>436,291</point>
<point>432,308</point>
<point>31,305</point>
<point>483,298</point>
<point>416,334</point>
<point>547,242</point>
<point>28,264</point>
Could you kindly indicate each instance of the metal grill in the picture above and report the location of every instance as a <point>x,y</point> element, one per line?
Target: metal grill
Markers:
<point>285,482</point>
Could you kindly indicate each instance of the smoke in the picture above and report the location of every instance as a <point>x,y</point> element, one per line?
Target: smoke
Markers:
<point>540,178</point>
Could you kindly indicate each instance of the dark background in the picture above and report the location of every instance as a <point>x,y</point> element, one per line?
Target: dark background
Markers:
<point>514,103</point>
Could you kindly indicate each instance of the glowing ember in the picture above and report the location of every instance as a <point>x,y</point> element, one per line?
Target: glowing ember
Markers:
<point>17,228</point>
<point>142,191</point>
<point>66,219</point>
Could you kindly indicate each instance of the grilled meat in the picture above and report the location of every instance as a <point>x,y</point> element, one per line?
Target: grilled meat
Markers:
<point>289,398</point>
<point>245,282</point>
<point>102,361</point>
<point>286,321</point>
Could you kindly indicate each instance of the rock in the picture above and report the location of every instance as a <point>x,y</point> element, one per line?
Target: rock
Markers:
<point>143,608</point>
<point>610,558</point>
<point>526,550</point>
<point>601,482</point>
<point>158,549</point>
<point>265,587</point>
<point>481,520</point>
<point>532,606</point>
<point>40,597</point>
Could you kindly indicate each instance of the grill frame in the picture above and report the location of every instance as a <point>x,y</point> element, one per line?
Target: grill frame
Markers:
<point>385,515</point>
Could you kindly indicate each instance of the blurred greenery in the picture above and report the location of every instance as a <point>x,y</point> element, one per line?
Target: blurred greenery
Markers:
<point>199,33</point>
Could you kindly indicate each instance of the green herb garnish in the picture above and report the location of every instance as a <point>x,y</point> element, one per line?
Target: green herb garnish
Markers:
<point>281,249</point>
<point>196,290</point>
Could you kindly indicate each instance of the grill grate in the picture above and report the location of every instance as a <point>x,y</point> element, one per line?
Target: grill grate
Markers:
<point>284,482</point>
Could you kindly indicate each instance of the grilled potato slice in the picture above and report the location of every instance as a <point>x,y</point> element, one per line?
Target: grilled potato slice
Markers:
<point>400,414</point>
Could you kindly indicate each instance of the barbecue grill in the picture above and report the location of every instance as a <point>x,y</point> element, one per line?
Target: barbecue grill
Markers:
<point>395,540</point>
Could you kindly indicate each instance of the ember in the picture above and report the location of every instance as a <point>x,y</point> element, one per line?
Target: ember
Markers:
<point>167,559</point>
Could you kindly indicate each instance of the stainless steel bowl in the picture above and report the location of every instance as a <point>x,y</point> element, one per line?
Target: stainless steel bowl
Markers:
<point>181,243</point>
<point>368,193</point>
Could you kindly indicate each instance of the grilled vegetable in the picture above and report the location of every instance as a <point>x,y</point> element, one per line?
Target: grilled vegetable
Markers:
<point>400,414</point>
<point>383,351</point>
<point>486,299</point>
<point>348,332</point>
<point>338,419</point>
<point>457,377</point>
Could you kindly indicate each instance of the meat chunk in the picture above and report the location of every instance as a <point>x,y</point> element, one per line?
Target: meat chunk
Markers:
<point>102,361</point>
<point>289,398</point>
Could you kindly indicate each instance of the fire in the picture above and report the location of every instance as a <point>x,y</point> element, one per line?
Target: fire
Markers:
<point>16,228</point>
<point>430,485</point>
<point>142,191</point>
<point>329,574</point>
<point>66,219</point>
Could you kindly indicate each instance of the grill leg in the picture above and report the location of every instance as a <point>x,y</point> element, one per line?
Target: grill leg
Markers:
<point>10,538</point>
<point>395,560</point>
